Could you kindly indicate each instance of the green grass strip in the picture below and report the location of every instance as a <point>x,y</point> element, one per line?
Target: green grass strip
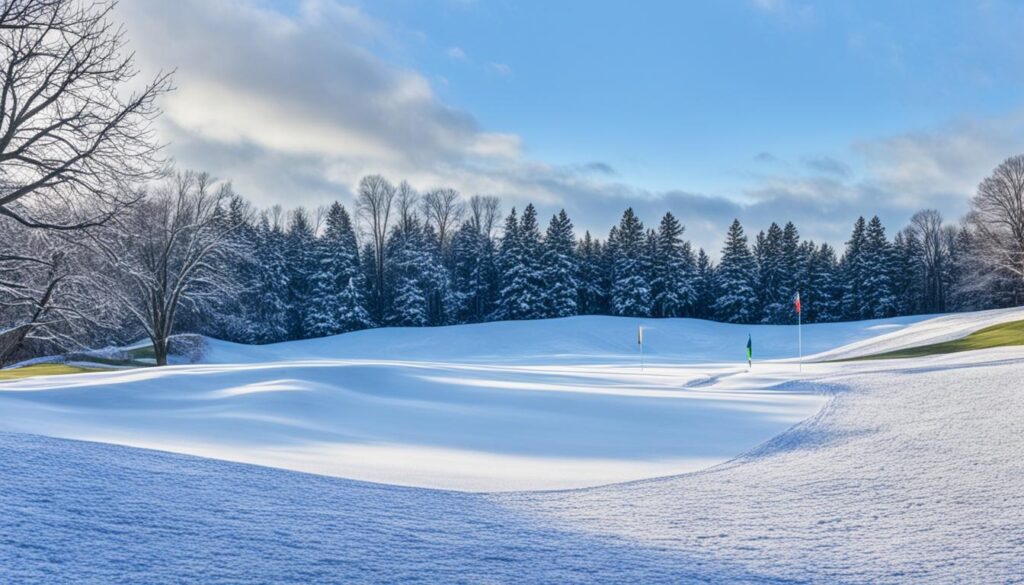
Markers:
<point>1002,335</point>
<point>42,370</point>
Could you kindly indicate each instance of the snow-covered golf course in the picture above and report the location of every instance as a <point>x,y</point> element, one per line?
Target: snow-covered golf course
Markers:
<point>891,470</point>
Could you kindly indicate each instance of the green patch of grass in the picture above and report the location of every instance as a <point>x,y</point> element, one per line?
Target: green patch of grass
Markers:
<point>1004,334</point>
<point>42,370</point>
<point>143,353</point>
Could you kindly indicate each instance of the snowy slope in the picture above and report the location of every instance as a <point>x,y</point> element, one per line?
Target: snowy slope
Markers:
<point>499,406</point>
<point>573,340</point>
<point>911,474</point>
<point>926,332</point>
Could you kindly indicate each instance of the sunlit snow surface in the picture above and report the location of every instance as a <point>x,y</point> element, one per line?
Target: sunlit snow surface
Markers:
<point>500,406</point>
<point>909,473</point>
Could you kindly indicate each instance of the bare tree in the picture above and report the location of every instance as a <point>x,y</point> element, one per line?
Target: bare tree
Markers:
<point>277,217</point>
<point>373,206</point>
<point>72,143</point>
<point>927,227</point>
<point>443,209</point>
<point>406,200</point>
<point>996,219</point>
<point>484,212</point>
<point>319,215</point>
<point>45,298</point>
<point>166,251</point>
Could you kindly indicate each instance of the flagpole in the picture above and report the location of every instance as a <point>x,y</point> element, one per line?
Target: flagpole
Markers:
<point>800,337</point>
<point>640,340</point>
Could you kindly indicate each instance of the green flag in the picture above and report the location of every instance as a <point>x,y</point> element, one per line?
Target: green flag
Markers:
<point>750,348</point>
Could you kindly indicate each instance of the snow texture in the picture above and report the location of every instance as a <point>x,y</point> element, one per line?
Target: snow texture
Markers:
<point>498,406</point>
<point>909,473</point>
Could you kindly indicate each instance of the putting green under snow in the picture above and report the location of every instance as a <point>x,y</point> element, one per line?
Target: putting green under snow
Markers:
<point>1004,334</point>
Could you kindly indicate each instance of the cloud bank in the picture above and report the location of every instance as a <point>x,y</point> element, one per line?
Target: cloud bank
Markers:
<point>295,107</point>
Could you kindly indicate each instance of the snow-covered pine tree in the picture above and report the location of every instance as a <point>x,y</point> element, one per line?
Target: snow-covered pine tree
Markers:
<point>852,270</point>
<point>649,259</point>
<point>821,295</point>
<point>268,315</point>
<point>794,262</point>
<point>706,287</point>
<point>673,282</point>
<point>530,255</point>
<point>512,273</point>
<point>631,292</point>
<point>771,275</point>
<point>351,313</point>
<point>230,316</point>
<point>736,274</point>
<point>442,304</point>
<point>560,268</point>
<point>590,295</point>
<point>406,260</point>
<point>521,294</point>
<point>473,273</point>
<point>908,272</point>
<point>607,270</point>
<point>876,262</point>
<point>338,303</point>
<point>322,301</point>
<point>300,266</point>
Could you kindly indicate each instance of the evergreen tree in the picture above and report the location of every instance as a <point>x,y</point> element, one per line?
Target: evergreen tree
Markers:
<point>771,276</point>
<point>674,273</point>
<point>301,264</point>
<point>907,272</point>
<point>736,275</point>
<point>338,272</point>
<point>560,276</point>
<point>406,262</point>
<point>520,296</point>
<point>876,284</point>
<point>589,292</point>
<point>473,273</point>
<point>706,287</point>
<point>852,269</point>
<point>267,299</point>
<point>631,292</point>
<point>351,312</point>
<point>322,301</point>
<point>822,294</point>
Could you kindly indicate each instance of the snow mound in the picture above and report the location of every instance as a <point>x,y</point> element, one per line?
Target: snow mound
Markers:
<point>925,332</point>
<point>922,453</point>
<point>575,340</point>
<point>499,406</point>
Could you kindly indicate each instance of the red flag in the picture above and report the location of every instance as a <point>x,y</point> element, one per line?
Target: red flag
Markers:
<point>796,303</point>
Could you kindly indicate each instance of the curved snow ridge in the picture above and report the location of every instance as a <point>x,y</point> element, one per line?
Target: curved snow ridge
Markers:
<point>926,332</point>
<point>925,455</point>
<point>474,427</point>
<point>568,340</point>
<point>473,408</point>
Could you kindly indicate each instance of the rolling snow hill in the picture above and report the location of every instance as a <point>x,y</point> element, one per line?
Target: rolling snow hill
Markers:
<point>908,473</point>
<point>498,406</point>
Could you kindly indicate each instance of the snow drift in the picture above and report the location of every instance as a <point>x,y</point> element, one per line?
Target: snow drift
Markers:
<point>497,406</point>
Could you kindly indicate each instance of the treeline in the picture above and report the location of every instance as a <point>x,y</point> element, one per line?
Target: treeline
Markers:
<point>436,260</point>
<point>101,244</point>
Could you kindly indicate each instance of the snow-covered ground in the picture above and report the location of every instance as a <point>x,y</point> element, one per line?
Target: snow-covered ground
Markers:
<point>498,406</point>
<point>909,472</point>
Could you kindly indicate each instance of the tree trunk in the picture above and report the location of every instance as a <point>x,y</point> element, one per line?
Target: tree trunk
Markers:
<point>11,339</point>
<point>160,351</point>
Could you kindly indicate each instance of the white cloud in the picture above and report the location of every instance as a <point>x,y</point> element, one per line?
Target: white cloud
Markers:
<point>456,54</point>
<point>500,68</point>
<point>296,108</point>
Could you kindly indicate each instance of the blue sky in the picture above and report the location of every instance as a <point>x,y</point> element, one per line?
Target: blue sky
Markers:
<point>766,110</point>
